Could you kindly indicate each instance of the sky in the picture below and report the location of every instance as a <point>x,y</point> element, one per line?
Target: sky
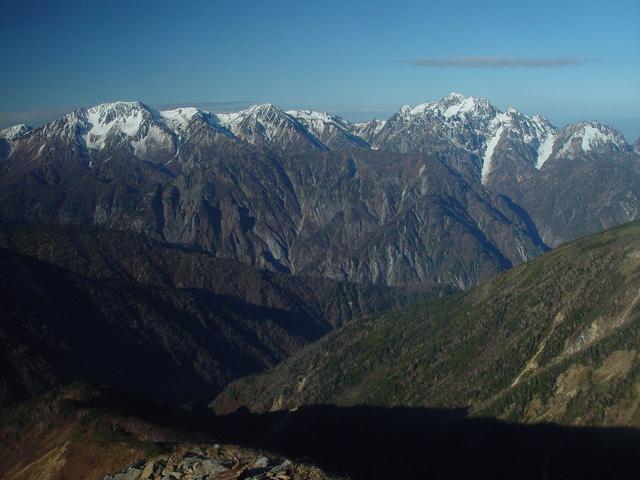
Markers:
<point>568,60</point>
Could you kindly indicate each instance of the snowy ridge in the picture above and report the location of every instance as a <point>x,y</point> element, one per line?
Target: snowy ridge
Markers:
<point>368,130</point>
<point>16,132</point>
<point>495,138</point>
<point>180,118</point>
<point>267,124</point>
<point>333,131</point>
<point>469,123</point>
<point>591,136</point>
<point>474,125</point>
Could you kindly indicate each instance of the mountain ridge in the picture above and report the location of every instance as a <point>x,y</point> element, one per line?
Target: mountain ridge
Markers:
<point>452,107</point>
<point>551,340</point>
<point>301,191</point>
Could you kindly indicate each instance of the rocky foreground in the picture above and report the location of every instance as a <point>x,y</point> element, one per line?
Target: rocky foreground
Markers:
<point>217,463</point>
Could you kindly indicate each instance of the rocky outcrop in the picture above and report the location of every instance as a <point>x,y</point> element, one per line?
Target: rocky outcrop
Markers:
<point>215,462</point>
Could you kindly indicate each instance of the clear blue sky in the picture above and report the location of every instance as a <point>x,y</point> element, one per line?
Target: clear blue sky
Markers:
<point>565,59</point>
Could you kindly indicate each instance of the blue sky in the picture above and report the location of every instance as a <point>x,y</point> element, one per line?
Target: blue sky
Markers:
<point>568,60</point>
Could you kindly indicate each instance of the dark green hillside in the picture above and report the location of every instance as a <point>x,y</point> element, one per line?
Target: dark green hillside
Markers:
<point>555,339</point>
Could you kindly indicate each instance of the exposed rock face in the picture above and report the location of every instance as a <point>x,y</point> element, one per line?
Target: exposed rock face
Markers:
<point>360,215</point>
<point>580,194</point>
<point>368,130</point>
<point>456,191</point>
<point>216,463</point>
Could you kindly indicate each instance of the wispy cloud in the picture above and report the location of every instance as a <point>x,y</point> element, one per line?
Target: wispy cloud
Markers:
<point>498,62</point>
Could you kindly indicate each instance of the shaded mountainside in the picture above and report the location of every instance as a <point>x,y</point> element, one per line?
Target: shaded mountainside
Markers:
<point>82,431</point>
<point>555,339</point>
<point>88,432</point>
<point>178,324</point>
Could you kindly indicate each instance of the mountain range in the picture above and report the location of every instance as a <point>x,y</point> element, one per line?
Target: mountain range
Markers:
<point>409,290</point>
<point>450,192</point>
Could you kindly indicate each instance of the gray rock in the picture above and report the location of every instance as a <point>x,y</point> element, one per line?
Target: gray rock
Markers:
<point>283,467</point>
<point>211,467</point>
<point>262,462</point>
<point>152,470</point>
<point>132,474</point>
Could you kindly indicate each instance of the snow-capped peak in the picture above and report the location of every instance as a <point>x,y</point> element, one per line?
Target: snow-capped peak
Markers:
<point>414,110</point>
<point>455,96</point>
<point>15,132</point>
<point>267,124</point>
<point>258,113</point>
<point>315,120</point>
<point>179,119</point>
<point>459,105</point>
<point>590,136</point>
<point>110,118</point>
<point>312,115</point>
<point>333,131</point>
<point>131,124</point>
<point>452,105</point>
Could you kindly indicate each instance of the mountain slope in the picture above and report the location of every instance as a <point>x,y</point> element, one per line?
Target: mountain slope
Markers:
<point>582,194</point>
<point>333,131</point>
<point>304,191</point>
<point>348,215</point>
<point>123,310</point>
<point>555,339</point>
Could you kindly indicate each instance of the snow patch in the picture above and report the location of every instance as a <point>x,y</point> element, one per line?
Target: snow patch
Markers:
<point>15,132</point>
<point>545,149</point>
<point>125,117</point>
<point>491,145</point>
<point>179,118</point>
<point>591,136</point>
<point>465,106</point>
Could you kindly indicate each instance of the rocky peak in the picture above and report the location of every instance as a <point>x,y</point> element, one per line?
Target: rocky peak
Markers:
<point>583,137</point>
<point>368,130</point>
<point>455,105</point>
<point>267,124</point>
<point>117,119</point>
<point>333,131</point>
<point>15,132</point>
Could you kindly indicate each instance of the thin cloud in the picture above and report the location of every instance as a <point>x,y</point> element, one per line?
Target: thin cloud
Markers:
<point>498,62</point>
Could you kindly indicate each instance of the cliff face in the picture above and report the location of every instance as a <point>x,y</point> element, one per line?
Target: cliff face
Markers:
<point>363,216</point>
